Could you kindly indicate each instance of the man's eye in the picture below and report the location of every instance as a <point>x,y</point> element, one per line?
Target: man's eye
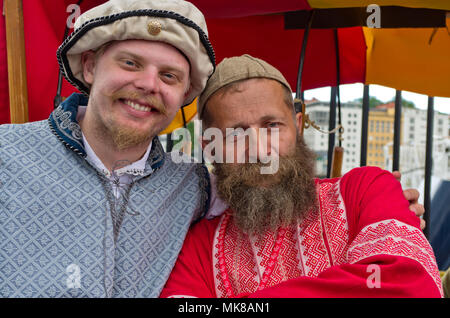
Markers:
<point>129,63</point>
<point>274,125</point>
<point>169,77</point>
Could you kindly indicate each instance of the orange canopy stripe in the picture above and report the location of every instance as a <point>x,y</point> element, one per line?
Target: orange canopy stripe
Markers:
<point>415,60</point>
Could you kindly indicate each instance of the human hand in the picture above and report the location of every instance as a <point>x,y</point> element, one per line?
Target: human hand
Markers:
<point>412,195</point>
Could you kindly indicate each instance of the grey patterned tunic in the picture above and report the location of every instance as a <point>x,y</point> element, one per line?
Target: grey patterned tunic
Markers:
<point>63,233</point>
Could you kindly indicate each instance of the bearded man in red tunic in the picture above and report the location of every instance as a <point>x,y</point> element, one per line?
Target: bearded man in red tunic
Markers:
<point>288,234</point>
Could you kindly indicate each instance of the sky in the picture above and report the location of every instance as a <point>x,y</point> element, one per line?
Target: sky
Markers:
<point>351,92</point>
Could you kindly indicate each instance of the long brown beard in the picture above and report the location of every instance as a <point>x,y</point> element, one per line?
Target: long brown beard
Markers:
<point>265,202</point>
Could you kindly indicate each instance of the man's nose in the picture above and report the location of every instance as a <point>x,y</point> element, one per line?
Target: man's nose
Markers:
<point>147,80</point>
<point>259,144</point>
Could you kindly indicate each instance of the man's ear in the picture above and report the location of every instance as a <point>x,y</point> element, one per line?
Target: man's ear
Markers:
<point>88,61</point>
<point>299,122</point>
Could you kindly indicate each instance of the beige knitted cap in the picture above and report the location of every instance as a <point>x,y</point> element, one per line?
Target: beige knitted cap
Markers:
<point>176,22</point>
<point>235,69</point>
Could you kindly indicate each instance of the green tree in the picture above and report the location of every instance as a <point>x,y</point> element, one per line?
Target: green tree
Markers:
<point>373,101</point>
<point>406,103</point>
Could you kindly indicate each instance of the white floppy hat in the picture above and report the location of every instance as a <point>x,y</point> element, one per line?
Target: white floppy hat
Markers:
<point>176,22</point>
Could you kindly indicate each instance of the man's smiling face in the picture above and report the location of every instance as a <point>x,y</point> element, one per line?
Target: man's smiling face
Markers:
<point>137,87</point>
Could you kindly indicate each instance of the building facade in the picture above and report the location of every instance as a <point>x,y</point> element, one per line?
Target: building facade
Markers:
<point>380,139</point>
<point>351,120</point>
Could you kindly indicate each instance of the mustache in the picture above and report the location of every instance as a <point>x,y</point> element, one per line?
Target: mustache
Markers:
<point>149,100</point>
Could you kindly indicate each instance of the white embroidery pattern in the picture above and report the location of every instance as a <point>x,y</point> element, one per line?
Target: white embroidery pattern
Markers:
<point>392,237</point>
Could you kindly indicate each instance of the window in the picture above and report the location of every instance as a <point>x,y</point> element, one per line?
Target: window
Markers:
<point>320,117</point>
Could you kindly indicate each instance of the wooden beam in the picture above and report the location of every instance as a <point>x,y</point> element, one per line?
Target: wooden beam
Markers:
<point>17,73</point>
<point>336,162</point>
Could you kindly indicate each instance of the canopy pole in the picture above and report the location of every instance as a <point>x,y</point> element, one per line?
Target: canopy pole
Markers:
<point>338,84</point>
<point>17,71</point>
<point>365,128</point>
<point>338,151</point>
<point>184,117</point>
<point>298,91</point>
<point>299,103</point>
<point>169,143</point>
<point>331,126</point>
<point>397,132</point>
<point>428,165</point>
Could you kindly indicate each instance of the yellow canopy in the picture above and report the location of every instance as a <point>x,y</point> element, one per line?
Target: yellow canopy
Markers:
<point>189,113</point>
<point>416,60</point>
<point>430,4</point>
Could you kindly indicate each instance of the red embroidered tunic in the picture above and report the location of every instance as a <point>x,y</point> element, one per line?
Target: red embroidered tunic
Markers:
<point>361,241</point>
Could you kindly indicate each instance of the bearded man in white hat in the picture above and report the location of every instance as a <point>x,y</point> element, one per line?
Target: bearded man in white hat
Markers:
<point>90,204</point>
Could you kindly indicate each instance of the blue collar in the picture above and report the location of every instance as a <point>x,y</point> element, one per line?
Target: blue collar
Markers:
<point>63,124</point>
